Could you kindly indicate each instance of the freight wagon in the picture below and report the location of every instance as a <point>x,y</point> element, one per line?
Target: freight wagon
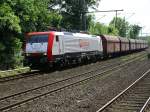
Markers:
<point>111,45</point>
<point>124,45</point>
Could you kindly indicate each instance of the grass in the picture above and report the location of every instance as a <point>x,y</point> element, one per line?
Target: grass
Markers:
<point>14,72</point>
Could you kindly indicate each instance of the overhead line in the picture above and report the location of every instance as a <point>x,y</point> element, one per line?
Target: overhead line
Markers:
<point>104,11</point>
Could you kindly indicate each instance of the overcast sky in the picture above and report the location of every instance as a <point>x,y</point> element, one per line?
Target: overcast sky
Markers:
<point>135,11</point>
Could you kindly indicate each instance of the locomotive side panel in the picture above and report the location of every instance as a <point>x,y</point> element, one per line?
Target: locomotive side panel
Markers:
<point>75,46</point>
<point>82,44</point>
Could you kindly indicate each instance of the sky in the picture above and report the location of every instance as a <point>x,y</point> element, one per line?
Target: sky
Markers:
<point>135,11</point>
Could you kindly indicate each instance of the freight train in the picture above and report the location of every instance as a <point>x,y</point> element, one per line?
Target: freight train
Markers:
<point>62,48</point>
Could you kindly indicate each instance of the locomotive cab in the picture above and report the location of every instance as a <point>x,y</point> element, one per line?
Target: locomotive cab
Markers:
<point>36,48</point>
<point>37,44</point>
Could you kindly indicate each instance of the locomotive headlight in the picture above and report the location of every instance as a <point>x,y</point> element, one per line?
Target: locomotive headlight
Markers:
<point>27,54</point>
<point>44,54</point>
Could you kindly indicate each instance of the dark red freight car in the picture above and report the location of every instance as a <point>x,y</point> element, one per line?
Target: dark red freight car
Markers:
<point>111,45</point>
<point>132,44</point>
<point>124,45</point>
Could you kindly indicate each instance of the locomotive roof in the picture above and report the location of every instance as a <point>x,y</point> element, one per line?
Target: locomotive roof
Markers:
<point>38,33</point>
<point>61,33</point>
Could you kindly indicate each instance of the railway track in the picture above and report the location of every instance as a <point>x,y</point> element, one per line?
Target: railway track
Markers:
<point>18,99</point>
<point>37,72</point>
<point>135,98</point>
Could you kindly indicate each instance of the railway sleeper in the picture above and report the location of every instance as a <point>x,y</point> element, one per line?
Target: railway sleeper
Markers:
<point>130,104</point>
<point>143,86</point>
<point>121,109</point>
<point>137,99</point>
<point>119,106</point>
<point>142,90</point>
<point>139,95</point>
<point>135,102</point>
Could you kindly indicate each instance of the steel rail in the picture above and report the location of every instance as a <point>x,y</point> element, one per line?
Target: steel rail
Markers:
<point>123,92</point>
<point>19,76</point>
<point>94,70</point>
<point>65,86</point>
<point>24,75</point>
<point>145,105</point>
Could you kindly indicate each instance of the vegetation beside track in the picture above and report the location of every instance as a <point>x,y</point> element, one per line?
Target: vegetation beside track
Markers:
<point>148,55</point>
<point>14,72</point>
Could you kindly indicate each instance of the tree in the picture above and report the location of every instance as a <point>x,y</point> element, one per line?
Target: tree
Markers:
<point>111,30</point>
<point>121,25</point>
<point>9,45</point>
<point>148,39</point>
<point>98,29</point>
<point>18,17</point>
<point>73,12</point>
<point>34,15</point>
<point>134,31</point>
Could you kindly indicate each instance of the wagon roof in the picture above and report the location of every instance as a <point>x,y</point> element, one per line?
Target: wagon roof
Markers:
<point>139,41</point>
<point>123,39</point>
<point>132,40</point>
<point>111,38</point>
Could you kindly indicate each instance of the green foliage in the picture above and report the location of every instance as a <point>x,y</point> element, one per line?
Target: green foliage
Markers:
<point>148,39</point>
<point>34,15</point>
<point>9,28</point>
<point>2,47</point>
<point>134,31</point>
<point>148,55</point>
<point>8,20</point>
<point>125,29</point>
<point>18,17</point>
<point>55,19</point>
<point>73,12</point>
<point>10,54</point>
<point>98,29</point>
<point>111,30</point>
<point>121,25</point>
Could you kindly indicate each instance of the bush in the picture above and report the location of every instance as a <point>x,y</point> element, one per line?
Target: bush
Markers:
<point>148,55</point>
<point>10,54</point>
<point>18,17</point>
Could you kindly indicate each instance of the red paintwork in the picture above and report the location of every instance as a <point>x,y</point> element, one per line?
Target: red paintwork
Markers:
<point>38,33</point>
<point>50,45</point>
